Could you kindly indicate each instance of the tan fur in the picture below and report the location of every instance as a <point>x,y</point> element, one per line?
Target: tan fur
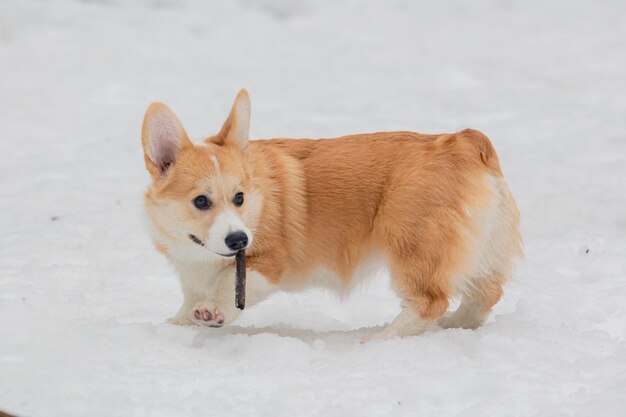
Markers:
<point>432,205</point>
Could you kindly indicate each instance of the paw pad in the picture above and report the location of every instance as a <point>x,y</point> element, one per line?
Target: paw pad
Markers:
<point>204,316</point>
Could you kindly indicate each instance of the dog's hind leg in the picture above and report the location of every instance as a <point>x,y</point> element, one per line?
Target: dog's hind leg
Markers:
<point>479,296</point>
<point>407,323</point>
<point>424,298</point>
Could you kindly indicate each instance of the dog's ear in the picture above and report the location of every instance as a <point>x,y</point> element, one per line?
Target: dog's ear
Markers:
<point>162,137</point>
<point>236,129</point>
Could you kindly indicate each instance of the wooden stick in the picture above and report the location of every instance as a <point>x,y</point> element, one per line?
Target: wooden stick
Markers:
<point>240,280</point>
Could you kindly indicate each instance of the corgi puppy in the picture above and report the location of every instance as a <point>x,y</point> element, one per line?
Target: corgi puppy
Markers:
<point>433,209</point>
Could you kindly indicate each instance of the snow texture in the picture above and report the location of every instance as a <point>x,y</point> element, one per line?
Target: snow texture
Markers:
<point>84,295</point>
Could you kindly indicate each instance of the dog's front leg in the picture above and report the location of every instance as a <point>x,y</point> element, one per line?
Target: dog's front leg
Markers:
<point>183,316</point>
<point>218,308</point>
<point>212,302</point>
<point>196,281</point>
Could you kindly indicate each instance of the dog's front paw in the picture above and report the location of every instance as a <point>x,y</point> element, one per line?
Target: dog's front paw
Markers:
<point>207,314</point>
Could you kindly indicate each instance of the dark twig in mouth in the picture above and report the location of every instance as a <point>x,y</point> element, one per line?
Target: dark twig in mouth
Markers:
<point>195,239</point>
<point>240,280</point>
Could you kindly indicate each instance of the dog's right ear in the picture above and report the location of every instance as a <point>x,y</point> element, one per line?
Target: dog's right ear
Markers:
<point>236,129</point>
<point>162,137</point>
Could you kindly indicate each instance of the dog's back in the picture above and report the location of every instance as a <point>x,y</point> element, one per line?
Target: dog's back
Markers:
<point>436,207</point>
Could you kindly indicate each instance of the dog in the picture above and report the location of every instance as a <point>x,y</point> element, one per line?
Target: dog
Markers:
<point>433,209</point>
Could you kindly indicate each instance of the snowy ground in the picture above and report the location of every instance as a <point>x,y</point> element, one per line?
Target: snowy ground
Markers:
<point>83,295</point>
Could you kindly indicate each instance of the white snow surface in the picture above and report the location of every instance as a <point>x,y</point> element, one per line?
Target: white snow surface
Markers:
<point>84,295</point>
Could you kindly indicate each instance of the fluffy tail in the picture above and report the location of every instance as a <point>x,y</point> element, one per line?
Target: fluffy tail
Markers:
<point>484,149</point>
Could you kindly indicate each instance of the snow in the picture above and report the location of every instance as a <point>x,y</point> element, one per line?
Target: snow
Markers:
<point>84,295</point>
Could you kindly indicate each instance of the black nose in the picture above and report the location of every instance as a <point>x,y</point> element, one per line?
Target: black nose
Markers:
<point>236,240</point>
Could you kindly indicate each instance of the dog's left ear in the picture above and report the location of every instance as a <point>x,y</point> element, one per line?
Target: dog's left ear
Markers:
<point>236,129</point>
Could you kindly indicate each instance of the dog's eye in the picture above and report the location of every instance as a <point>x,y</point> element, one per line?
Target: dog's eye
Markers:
<point>238,199</point>
<point>202,202</point>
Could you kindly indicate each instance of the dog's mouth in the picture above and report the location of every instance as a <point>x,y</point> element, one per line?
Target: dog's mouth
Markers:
<point>197,240</point>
